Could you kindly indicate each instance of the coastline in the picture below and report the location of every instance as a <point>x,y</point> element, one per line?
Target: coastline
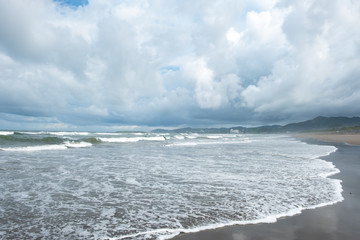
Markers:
<point>349,138</point>
<point>337,221</point>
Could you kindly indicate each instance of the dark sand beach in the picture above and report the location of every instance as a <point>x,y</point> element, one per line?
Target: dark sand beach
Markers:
<point>338,221</point>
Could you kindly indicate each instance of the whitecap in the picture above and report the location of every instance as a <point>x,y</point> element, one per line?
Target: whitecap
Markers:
<point>132,181</point>
<point>77,144</point>
<point>36,148</point>
<point>214,136</point>
<point>180,137</point>
<point>118,140</point>
<point>70,133</point>
<point>4,133</point>
<point>131,139</point>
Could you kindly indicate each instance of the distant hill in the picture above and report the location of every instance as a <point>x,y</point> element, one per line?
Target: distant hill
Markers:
<point>194,130</point>
<point>317,124</point>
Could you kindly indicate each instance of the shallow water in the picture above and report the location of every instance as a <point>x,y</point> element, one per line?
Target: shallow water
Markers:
<point>153,186</point>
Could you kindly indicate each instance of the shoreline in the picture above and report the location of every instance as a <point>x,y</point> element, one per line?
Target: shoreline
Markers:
<point>337,221</point>
<point>329,137</point>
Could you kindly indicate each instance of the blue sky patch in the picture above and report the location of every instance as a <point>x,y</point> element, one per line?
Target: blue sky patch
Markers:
<point>74,3</point>
<point>166,69</point>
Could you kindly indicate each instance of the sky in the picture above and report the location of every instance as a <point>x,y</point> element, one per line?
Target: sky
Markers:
<point>142,64</point>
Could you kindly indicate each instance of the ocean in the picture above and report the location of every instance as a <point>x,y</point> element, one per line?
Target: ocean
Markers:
<point>82,185</point>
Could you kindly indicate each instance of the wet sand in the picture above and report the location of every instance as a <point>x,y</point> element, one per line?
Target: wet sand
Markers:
<point>338,221</point>
<point>332,137</point>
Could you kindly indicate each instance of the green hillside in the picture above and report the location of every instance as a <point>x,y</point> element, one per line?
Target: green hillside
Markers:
<point>317,124</point>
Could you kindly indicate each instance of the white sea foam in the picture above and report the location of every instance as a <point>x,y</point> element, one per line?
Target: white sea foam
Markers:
<point>48,147</point>
<point>118,140</point>
<point>214,136</point>
<point>4,133</point>
<point>179,137</point>
<point>164,234</point>
<point>73,144</point>
<point>182,144</point>
<point>109,134</point>
<point>331,170</point>
<point>33,133</point>
<point>198,143</point>
<point>132,181</point>
<point>131,139</point>
<point>192,136</point>
<point>35,148</point>
<point>70,133</point>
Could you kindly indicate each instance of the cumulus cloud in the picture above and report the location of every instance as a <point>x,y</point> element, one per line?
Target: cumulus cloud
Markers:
<point>319,70</point>
<point>161,62</point>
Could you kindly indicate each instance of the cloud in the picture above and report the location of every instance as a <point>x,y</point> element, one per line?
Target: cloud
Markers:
<point>318,72</point>
<point>105,63</point>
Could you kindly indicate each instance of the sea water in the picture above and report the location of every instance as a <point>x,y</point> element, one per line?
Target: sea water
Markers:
<point>80,185</point>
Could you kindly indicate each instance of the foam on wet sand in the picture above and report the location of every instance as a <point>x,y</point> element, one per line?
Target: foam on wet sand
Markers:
<point>338,221</point>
